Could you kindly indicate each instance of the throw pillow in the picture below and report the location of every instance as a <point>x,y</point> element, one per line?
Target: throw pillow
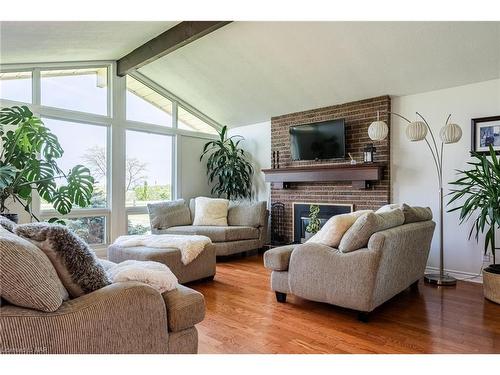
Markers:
<point>416,214</point>
<point>7,224</point>
<point>387,208</point>
<point>358,235</point>
<point>75,263</point>
<point>332,231</point>
<point>27,277</point>
<point>211,211</point>
<point>164,215</point>
<point>245,213</point>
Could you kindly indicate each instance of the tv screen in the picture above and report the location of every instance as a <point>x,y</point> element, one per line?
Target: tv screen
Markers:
<point>320,140</point>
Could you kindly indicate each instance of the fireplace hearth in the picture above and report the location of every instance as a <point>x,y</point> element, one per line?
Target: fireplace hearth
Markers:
<point>301,216</point>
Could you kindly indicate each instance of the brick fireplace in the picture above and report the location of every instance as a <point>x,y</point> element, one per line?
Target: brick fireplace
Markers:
<point>358,116</point>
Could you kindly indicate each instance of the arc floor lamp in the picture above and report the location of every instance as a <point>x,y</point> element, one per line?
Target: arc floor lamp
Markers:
<point>418,131</point>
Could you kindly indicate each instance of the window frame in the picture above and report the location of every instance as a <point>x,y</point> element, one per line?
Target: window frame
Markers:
<point>116,213</point>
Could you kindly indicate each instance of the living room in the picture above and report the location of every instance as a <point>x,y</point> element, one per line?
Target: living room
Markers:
<point>229,183</point>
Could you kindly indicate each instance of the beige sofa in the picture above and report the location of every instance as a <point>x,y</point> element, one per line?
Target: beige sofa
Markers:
<point>362,279</point>
<point>121,318</point>
<point>127,317</point>
<point>246,230</point>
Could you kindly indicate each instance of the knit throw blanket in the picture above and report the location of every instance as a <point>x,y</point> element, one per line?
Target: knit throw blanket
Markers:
<point>190,246</point>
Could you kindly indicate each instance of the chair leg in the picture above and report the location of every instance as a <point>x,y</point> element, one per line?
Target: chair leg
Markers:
<point>281,297</point>
<point>363,316</point>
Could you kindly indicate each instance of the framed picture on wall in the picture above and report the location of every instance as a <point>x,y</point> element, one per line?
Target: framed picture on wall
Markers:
<point>485,131</point>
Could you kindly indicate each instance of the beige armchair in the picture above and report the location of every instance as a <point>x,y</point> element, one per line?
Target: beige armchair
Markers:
<point>394,260</point>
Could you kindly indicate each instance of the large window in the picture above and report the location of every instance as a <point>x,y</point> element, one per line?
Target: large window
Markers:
<point>146,105</point>
<point>124,132</point>
<point>88,149</point>
<point>148,176</point>
<point>92,229</point>
<point>138,224</point>
<point>188,121</point>
<point>16,86</point>
<point>84,90</point>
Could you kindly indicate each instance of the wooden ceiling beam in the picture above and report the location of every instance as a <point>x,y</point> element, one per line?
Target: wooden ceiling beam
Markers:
<point>165,43</point>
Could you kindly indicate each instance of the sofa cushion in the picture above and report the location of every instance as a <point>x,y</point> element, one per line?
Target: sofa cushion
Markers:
<point>75,263</point>
<point>27,277</point>
<point>164,215</point>
<point>277,259</point>
<point>216,234</point>
<point>358,235</point>
<point>185,308</point>
<point>246,213</point>
<point>334,229</point>
<point>416,214</point>
<point>210,211</point>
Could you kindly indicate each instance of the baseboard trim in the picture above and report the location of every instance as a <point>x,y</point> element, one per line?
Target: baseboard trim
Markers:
<point>460,275</point>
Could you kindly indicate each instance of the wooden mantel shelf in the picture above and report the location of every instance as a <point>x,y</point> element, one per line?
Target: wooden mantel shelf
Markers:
<point>360,174</point>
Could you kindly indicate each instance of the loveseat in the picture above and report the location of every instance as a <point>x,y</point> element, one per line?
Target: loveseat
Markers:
<point>126,317</point>
<point>246,230</point>
<point>393,260</point>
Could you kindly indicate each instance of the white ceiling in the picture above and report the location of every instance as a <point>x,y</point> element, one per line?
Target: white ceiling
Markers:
<point>247,72</point>
<point>28,42</point>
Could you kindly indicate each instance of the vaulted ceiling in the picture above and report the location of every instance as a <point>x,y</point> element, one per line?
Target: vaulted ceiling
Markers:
<point>246,72</point>
<point>30,42</point>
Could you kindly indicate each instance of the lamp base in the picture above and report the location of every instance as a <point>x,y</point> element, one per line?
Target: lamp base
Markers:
<point>437,279</point>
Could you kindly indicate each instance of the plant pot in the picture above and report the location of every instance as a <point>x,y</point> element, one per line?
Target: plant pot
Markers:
<point>491,283</point>
<point>11,217</point>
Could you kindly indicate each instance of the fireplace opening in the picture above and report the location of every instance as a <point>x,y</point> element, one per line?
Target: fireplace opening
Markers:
<point>301,216</point>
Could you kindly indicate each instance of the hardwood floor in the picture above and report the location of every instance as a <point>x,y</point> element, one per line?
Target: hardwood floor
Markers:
<point>244,317</point>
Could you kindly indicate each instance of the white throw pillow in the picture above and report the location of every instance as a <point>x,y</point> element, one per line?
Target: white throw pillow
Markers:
<point>211,211</point>
<point>388,207</point>
<point>332,231</point>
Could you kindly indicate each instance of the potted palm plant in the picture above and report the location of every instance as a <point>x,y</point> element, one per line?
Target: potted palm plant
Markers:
<point>228,167</point>
<point>28,162</point>
<point>480,187</point>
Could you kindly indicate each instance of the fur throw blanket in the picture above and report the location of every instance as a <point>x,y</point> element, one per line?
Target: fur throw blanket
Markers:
<point>75,262</point>
<point>190,246</point>
<point>154,274</point>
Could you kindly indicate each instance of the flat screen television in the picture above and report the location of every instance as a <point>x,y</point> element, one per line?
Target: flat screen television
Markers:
<point>320,140</point>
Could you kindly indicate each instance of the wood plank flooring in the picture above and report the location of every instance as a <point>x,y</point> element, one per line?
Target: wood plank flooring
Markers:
<point>244,317</point>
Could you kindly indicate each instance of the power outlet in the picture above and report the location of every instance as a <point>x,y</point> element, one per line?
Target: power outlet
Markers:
<point>486,258</point>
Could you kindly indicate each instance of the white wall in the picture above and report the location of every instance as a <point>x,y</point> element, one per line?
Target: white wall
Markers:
<point>257,144</point>
<point>192,178</point>
<point>413,174</point>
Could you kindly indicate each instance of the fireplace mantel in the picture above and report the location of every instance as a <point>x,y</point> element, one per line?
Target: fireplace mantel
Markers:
<point>359,174</point>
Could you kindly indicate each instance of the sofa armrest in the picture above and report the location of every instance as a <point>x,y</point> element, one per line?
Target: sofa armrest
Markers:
<point>277,259</point>
<point>119,318</point>
<point>185,308</point>
<point>264,228</point>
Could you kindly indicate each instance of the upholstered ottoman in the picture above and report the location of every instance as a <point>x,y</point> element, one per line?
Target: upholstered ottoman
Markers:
<point>202,267</point>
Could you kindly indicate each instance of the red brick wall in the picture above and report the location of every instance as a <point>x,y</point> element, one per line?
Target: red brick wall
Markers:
<point>358,116</point>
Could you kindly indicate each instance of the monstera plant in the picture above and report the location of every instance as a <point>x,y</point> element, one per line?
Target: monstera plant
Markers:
<point>28,163</point>
<point>228,167</point>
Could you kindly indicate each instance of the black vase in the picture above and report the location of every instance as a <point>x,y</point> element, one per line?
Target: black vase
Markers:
<point>11,217</point>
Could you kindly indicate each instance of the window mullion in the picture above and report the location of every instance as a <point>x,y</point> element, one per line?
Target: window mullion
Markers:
<point>36,90</point>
